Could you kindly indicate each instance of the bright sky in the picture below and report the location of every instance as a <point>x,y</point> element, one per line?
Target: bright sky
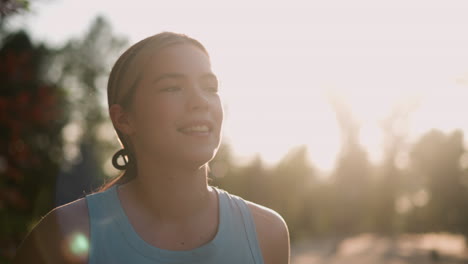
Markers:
<point>277,60</point>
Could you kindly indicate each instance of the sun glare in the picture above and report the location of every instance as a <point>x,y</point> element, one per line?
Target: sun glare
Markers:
<point>272,70</point>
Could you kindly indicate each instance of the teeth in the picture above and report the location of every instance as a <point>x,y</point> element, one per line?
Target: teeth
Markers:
<point>201,128</point>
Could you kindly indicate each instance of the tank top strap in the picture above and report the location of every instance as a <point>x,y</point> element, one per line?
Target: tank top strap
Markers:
<point>100,204</point>
<point>249,228</point>
<point>102,216</point>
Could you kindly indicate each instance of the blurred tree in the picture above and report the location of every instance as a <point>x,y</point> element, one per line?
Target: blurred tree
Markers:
<point>83,66</point>
<point>42,153</point>
<point>436,159</point>
<point>351,177</point>
<point>242,180</point>
<point>290,183</point>
<point>10,7</point>
<point>32,115</point>
<point>388,181</point>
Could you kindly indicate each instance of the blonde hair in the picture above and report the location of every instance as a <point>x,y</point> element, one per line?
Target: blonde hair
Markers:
<point>123,80</point>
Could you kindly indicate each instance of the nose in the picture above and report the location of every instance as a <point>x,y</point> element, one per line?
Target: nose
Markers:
<point>197,98</point>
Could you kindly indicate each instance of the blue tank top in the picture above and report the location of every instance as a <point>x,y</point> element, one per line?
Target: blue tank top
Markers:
<point>113,239</point>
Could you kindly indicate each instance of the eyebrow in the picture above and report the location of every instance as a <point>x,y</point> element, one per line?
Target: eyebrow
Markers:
<point>182,76</point>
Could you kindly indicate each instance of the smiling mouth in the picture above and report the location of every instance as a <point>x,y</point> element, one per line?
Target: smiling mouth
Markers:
<point>197,130</point>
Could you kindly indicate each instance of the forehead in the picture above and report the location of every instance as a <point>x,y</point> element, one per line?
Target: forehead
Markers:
<point>183,58</point>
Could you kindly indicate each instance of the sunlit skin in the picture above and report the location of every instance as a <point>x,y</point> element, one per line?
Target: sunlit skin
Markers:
<point>177,87</point>
<point>169,204</point>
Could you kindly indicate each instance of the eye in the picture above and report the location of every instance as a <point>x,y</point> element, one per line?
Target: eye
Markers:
<point>170,89</point>
<point>213,89</point>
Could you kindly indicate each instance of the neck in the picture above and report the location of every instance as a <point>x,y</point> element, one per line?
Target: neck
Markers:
<point>169,192</point>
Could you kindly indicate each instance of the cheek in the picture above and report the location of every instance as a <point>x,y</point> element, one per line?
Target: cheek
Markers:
<point>218,112</point>
<point>155,119</point>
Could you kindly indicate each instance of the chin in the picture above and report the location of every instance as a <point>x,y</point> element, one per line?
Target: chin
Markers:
<point>199,157</point>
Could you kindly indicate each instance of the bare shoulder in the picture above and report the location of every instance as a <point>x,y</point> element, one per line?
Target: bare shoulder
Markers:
<point>61,236</point>
<point>272,233</point>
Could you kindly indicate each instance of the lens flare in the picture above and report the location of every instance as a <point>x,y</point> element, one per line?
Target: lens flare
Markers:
<point>79,244</point>
<point>76,247</point>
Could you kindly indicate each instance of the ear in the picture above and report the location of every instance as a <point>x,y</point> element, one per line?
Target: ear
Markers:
<point>120,119</point>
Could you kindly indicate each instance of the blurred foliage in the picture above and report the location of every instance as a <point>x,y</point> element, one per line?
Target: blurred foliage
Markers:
<point>436,161</point>
<point>51,104</point>
<point>9,7</point>
<point>32,115</point>
<point>82,65</point>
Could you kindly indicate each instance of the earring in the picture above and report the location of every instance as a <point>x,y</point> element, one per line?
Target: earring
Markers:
<point>124,154</point>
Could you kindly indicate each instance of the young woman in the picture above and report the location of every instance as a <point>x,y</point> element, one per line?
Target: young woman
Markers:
<point>165,107</point>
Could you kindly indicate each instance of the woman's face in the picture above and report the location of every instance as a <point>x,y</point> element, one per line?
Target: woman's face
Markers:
<point>177,112</point>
